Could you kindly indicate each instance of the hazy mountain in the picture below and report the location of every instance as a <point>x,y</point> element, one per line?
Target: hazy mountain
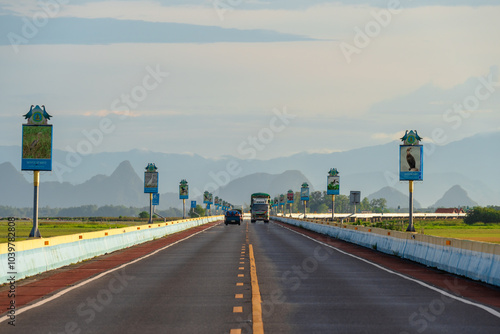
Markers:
<point>455,197</point>
<point>467,162</point>
<point>122,187</point>
<point>394,198</point>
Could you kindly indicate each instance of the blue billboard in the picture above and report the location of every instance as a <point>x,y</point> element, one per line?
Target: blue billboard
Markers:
<point>150,182</point>
<point>411,162</point>
<point>37,147</point>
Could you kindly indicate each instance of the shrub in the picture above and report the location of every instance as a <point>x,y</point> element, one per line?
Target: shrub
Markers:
<point>480,214</point>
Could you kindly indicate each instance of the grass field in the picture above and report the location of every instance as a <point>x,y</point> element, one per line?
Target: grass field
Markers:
<point>459,230</point>
<point>56,228</point>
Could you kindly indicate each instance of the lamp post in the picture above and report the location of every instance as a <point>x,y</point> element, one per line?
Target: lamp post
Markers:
<point>304,195</point>
<point>183,194</point>
<point>333,186</point>
<point>411,166</point>
<point>36,153</point>
<point>151,186</point>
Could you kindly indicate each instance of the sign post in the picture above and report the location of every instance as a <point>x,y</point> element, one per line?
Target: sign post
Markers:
<point>206,200</point>
<point>304,195</point>
<point>355,199</point>
<point>333,186</point>
<point>183,194</point>
<point>289,196</point>
<point>411,166</point>
<point>151,186</point>
<point>36,153</point>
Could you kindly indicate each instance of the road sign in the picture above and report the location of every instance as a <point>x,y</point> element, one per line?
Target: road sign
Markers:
<point>355,197</point>
<point>156,199</point>
<point>193,204</point>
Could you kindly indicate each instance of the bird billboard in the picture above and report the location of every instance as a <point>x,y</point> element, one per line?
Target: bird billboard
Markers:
<point>411,162</point>
<point>37,147</point>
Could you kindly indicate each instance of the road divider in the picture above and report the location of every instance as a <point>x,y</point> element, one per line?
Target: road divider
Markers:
<point>473,259</point>
<point>39,255</point>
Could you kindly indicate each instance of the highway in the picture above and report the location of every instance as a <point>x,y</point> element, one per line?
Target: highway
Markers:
<point>203,284</point>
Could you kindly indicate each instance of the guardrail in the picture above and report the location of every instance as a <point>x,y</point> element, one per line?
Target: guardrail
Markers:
<point>377,216</point>
<point>35,256</point>
<point>473,259</point>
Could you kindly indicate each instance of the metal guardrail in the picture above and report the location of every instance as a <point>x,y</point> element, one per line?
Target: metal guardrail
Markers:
<point>418,215</point>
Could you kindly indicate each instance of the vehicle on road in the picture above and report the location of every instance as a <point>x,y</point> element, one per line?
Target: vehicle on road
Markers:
<point>259,207</point>
<point>232,217</point>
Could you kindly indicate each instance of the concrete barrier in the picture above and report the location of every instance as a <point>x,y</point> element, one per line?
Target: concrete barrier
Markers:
<point>39,255</point>
<point>473,259</point>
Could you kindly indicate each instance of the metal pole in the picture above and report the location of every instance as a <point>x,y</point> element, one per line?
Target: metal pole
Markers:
<point>411,228</point>
<point>35,233</point>
<point>333,206</point>
<point>150,208</point>
<point>183,208</point>
<point>305,203</point>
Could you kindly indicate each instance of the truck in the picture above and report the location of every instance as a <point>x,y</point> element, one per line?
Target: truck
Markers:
<point>260,207</point>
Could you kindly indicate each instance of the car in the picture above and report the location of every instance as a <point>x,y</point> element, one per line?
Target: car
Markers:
<point>232,217</point>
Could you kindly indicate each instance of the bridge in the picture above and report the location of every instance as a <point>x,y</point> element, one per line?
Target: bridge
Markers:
<point>253,278</point>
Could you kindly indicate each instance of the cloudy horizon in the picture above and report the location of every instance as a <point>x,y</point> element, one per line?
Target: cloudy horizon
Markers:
<point>247,78</point>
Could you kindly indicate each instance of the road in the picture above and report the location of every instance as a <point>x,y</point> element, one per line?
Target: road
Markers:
<point>203,285</point>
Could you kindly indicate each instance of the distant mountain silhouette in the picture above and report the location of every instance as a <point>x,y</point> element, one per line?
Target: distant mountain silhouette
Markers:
<point>394,198</point>
<point>455,197</point>
<point>368,169</point>
<point>123,187</point>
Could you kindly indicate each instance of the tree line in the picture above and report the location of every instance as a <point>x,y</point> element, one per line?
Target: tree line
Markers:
<point>320,202</point>
<point>487,215</point>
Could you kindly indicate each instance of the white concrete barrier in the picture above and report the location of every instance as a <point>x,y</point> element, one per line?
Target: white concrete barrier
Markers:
<point>39,255</point>
<point>473,259</point>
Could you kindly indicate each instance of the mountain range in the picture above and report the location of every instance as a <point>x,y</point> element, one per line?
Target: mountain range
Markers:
<point>469,163</point>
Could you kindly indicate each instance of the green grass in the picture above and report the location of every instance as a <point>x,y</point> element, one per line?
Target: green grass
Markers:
<point>453,228</point>
<point>53,228</point>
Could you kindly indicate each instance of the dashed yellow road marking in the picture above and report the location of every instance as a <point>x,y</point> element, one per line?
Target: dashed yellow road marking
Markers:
<point>238,309</point>
<point>235,331</point>
<point>241,268</point>
<point>241,275</point>
<point>239,284</point>
<point>258,325</point>
<point>238,296</point>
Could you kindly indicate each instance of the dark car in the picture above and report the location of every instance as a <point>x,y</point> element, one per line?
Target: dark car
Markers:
<point>232,217</point>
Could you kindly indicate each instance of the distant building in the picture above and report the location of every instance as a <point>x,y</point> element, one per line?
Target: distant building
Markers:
<point>449,210</point>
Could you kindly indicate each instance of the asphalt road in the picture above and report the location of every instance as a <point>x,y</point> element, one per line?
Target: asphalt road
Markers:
<point>202,285</point>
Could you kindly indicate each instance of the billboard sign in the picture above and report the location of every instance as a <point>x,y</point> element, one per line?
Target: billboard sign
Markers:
<point>150,182</point>
<point>289,196</point>
<point>183,190</point>
<point>411,162</point>
<point>333,182</point>
<point>304,192</point>
<point>37,147</point>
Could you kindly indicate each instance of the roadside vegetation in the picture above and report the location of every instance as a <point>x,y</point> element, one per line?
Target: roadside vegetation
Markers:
<point>55,227</point>
<point>450,228</point>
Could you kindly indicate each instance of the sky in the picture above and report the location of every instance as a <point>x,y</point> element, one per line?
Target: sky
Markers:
<point>250,79</point>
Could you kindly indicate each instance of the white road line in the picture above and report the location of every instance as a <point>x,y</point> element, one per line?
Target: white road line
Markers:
<point>465,301</point>
<point>60,293</point>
